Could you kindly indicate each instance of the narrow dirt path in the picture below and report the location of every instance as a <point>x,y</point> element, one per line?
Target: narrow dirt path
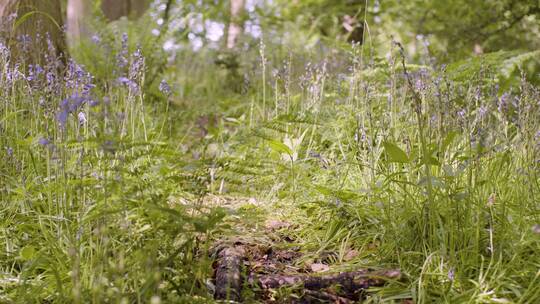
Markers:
<point>261,261</point>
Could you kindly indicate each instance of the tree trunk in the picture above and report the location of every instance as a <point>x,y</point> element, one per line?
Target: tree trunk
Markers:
<point>114,9</point>
<point>77,14</point>
<point>32,27</point>
<point>235,24</point>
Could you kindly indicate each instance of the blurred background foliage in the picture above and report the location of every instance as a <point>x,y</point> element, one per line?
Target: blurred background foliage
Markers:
<point>434,33</point>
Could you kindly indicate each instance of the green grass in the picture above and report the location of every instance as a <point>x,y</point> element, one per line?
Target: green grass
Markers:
<point>444,186</point>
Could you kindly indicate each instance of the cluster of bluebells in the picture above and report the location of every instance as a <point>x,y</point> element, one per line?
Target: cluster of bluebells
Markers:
<point>305,79</point>
<point>24,42</point>
<point>136,68</point>
<point>132,85</point>
<point>506,102</point>
<point>482,112</point>
<point>78,80</point>
<point>4,51</point>
<point>134,64</point>
<point>122,56</point>
<point>312,80</point>
<point>53,64</point>
<point>11,73</point>
<point>68,106</point>
<point>34,72</point>
<point>421,77</point>
<point>79,83</point>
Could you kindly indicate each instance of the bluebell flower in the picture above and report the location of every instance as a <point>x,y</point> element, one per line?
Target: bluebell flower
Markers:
<point>61,117</point>
<point>121,58</point>
<point>93,102</point>
<point>123,80</point>
<point>82,118</point>
<point>419,84</point>
<point>78,79</point>
<point>50,78</point>
<point>137,64</point>
<point>38,69</point>
<point>451,274</point>
<point>4,51</point>
<point>75,102</point>
<point>67,106</point>
<point>30,76</point>
<point>164,88</point>
<point>43,141</point>
<point>96,39</point>
<point>132,85</point>
<point>482,111</point>
<point>24,41</point>
<point>504,101</point>
<point>87,87</point>
<point>34,71</point>
<point>9,151</point>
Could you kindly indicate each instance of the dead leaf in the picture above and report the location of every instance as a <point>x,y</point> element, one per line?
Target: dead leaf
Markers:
<point>351,254</point>
<point>275,224</point>
<point>318,267</point>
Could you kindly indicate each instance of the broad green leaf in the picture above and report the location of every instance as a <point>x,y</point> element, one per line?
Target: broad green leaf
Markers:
<point>28,252</point>
<point>279,147</point>
<point>395,154</point>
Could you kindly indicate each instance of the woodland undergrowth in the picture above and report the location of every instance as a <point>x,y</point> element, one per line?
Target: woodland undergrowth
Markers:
<point>105,175</point>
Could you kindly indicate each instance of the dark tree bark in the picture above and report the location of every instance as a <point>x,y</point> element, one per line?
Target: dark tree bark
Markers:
<point>31,27</point>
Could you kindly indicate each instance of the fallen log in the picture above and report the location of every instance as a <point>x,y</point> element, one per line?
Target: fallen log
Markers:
<point>334,288</point>
<point>350,282</point>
